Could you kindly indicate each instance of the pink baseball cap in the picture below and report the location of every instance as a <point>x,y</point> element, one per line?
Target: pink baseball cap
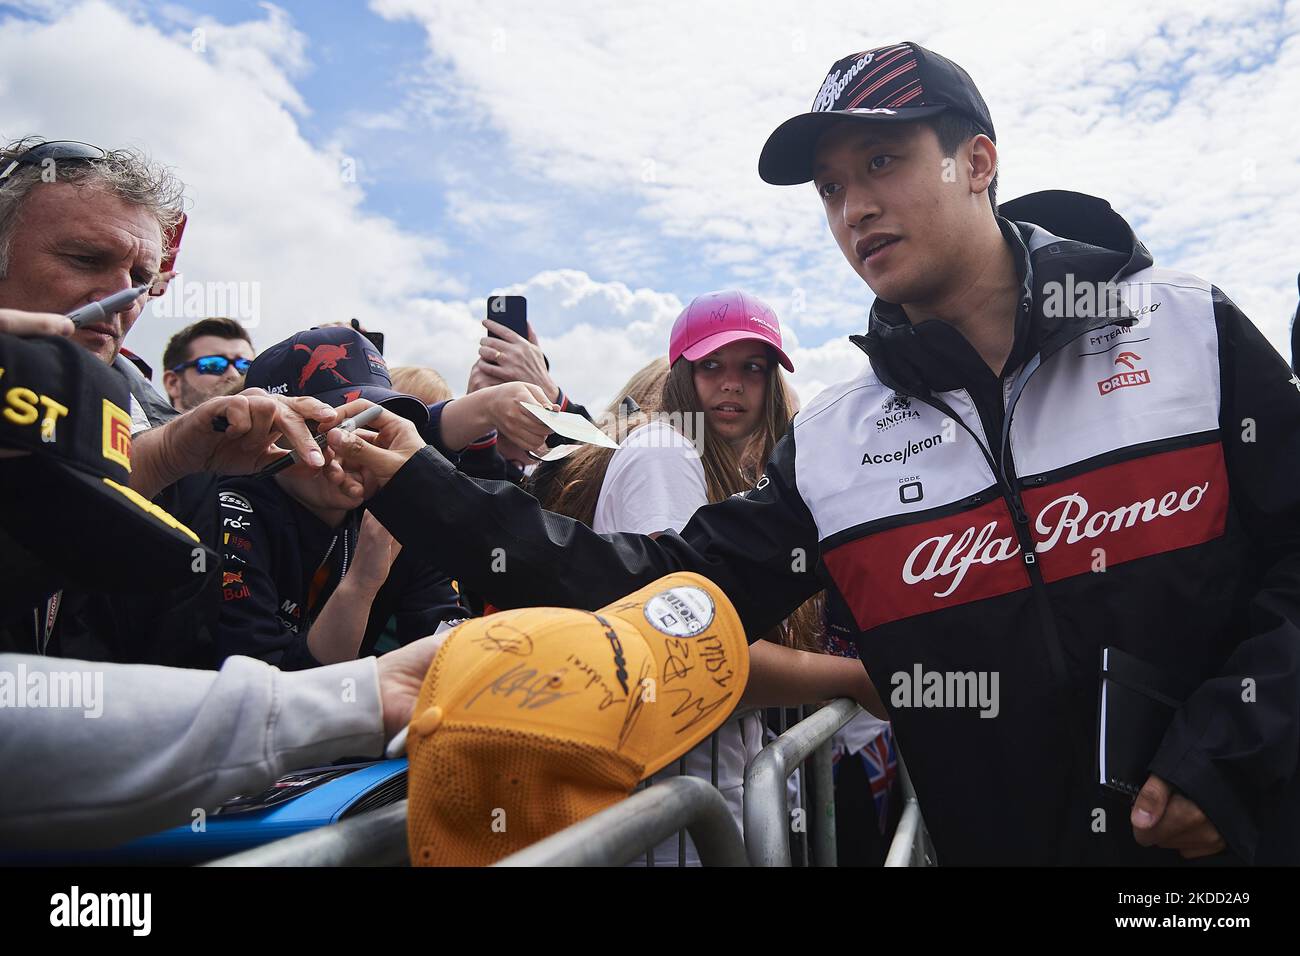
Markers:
<point>716,319</point>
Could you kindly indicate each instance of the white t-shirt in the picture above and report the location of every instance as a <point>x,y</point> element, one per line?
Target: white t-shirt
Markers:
<point>655,482</point>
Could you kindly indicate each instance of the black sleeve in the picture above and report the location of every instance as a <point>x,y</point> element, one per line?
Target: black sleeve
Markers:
<point>1234,743</point>
<point>424,598</point>
<point>759,547</point>
<point>250,596</point>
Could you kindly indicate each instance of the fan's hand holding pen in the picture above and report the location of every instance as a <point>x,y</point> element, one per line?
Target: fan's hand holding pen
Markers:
<point>389,443</point>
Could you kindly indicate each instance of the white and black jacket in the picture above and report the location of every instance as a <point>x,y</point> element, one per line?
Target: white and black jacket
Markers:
<point>1132,480</point>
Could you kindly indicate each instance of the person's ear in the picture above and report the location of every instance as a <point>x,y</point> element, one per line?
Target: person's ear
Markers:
<point>172,384</point>
<point>983,162</point>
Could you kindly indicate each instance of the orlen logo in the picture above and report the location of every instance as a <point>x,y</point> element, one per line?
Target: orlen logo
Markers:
<point>1137,376</point>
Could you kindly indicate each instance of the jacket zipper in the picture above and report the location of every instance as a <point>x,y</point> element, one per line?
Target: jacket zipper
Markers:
<point>1009,485</point>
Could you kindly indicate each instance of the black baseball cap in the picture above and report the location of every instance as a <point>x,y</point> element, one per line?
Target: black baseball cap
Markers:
<point>68,501</point>
<point>890,84</point>
<point>336,365</point>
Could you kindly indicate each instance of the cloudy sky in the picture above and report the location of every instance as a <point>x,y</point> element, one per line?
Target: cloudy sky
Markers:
<point>400,160</point>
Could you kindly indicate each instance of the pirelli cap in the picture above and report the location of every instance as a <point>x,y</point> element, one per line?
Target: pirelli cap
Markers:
<point>531,720</point>
<point>890,84</point>
<point>68,501</point>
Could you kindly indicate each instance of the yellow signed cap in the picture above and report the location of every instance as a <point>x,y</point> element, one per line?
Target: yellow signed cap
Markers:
<point>531,720</point>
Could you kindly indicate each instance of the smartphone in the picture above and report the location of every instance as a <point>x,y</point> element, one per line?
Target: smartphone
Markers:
<point>376,338</point>
<point>511,311</point>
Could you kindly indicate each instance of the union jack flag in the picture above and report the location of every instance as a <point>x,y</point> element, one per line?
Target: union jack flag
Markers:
<point>881,761</point>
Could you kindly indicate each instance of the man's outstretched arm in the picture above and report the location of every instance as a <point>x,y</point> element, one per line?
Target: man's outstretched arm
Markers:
<point>760,547</point>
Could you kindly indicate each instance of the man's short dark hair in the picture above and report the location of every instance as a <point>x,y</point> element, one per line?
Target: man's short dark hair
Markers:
<point>953,129</point>
<point>178,346</point>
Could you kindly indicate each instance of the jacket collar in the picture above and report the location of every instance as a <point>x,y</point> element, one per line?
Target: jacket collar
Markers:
<point>1062,242</point>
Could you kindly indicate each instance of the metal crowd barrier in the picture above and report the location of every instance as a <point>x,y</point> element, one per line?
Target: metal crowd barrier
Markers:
<point>635,826</point>
<point>911,845</point>
<point>621,833</point>
<point>767,820</point>
<point>377,838</point>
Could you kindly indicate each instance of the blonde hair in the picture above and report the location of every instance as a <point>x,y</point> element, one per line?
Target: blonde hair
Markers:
<point>424,383</point>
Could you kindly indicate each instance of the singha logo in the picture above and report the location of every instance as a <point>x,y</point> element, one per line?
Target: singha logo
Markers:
<point>897,409</point>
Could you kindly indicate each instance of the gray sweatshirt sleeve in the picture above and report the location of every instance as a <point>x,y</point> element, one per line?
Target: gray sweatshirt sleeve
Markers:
<point>94,754</point>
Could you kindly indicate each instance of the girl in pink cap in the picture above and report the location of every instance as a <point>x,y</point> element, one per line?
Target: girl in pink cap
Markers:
<point>722,407</point>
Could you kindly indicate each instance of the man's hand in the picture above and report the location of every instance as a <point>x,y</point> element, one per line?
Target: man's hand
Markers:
<point>1165,819</point>
<point>495,408</point>
<point>30,324</point>
<point>506,356</point>
<point>253,422</point>
<point>512,421</point>
<point>375,459</point>
<point>401,674</point>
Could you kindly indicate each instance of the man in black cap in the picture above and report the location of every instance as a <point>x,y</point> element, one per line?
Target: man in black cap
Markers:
<point>1060,455</point>
<point>160,741</point>
<point>308,578</point>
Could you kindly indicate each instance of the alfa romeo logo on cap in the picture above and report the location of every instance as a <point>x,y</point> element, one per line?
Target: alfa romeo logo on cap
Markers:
<point>680,612</point>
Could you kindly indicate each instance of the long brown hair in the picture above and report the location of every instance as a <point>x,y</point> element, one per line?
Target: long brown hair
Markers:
<point>726,471</point>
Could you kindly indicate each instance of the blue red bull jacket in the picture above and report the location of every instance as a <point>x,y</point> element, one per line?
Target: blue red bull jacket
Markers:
<point>280,564</point>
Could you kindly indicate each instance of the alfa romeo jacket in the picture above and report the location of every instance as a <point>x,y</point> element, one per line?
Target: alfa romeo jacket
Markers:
<point>1131,480</point>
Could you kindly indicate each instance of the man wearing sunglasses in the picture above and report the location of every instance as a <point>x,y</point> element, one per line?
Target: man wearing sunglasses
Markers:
<point>206,360</point>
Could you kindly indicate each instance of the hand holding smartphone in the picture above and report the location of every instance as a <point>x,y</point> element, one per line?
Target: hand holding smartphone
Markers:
<point>511,311</point>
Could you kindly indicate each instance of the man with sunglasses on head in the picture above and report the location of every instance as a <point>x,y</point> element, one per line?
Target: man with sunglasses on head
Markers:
<point>77,224</point>
<point>206,360</point>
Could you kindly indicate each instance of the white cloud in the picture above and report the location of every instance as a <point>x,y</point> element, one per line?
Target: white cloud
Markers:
<point>596,334</point>
<point>267,207</point>
<point>662,108</point>
<point>1209,173</point>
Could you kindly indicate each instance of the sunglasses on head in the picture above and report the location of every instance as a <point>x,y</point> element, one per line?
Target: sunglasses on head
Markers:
<point>59,150</point>
<point>72,151</point>
<point>215,365</point>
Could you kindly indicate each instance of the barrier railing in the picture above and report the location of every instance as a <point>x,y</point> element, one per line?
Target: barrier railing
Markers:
<point>621,833</point>
<point>767,820</point>
<point>377,838</point>
<point>633,827</point>
<point>911,845</point>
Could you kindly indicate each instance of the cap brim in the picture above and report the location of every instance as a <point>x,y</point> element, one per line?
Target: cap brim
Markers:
<point>701,663</point>
<point>100,535</point>
<point>716,341</point>
<point>787,155</point>
<point>408,406</point>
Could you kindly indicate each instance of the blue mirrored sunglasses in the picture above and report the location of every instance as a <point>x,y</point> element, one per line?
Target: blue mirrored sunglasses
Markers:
<point>215,365</point>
